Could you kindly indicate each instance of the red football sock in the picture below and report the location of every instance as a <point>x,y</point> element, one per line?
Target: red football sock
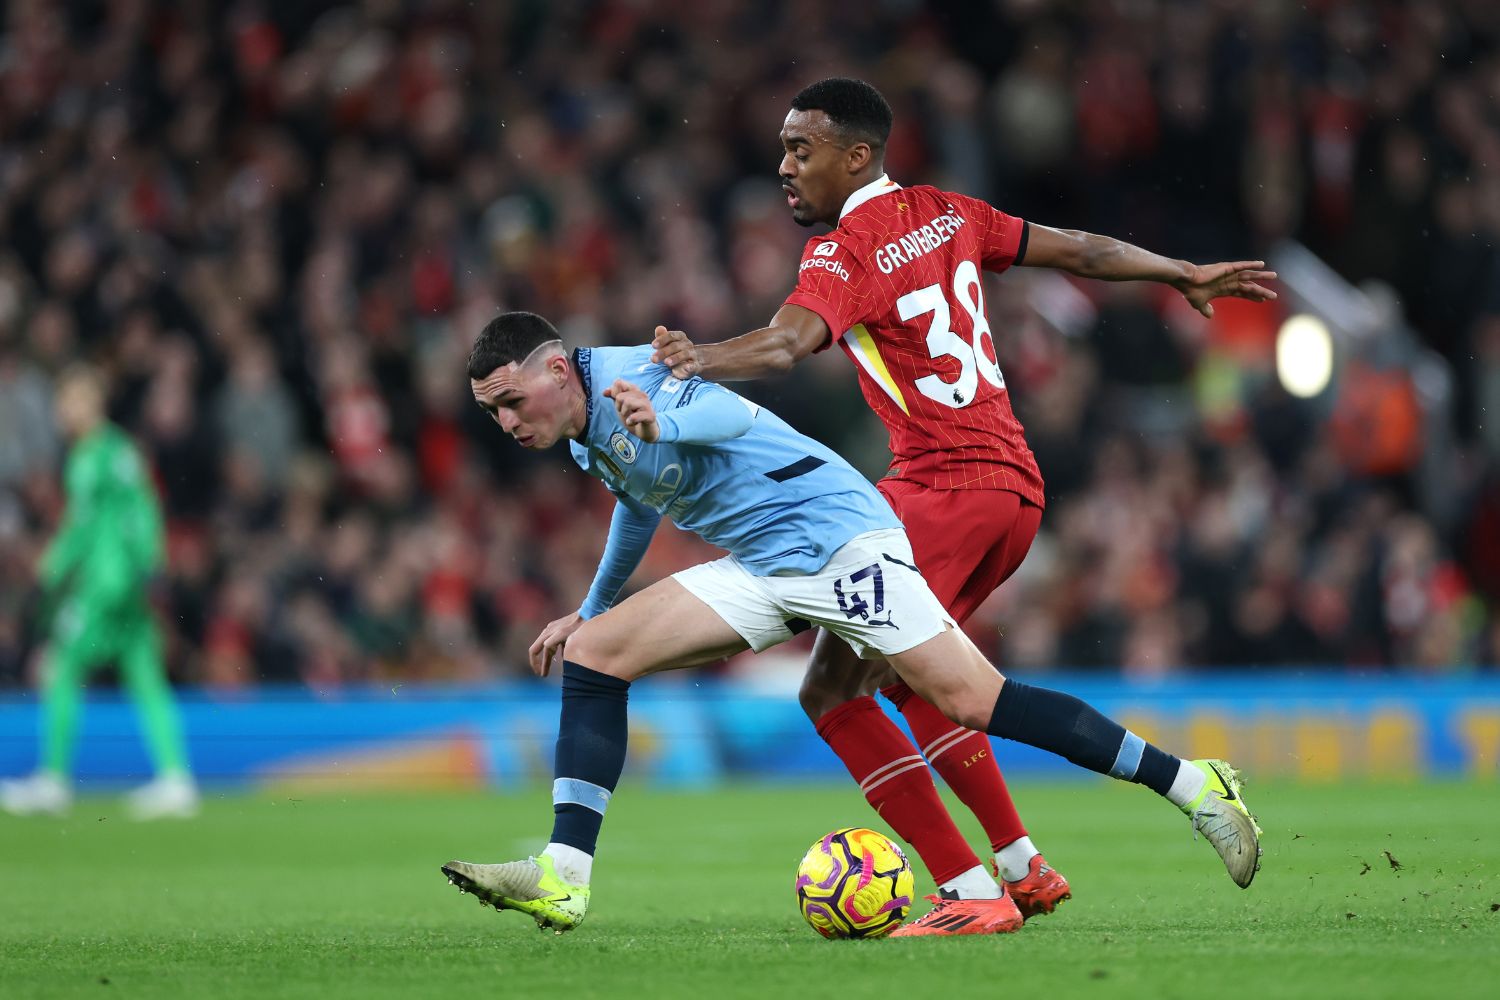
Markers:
<point>896,782</point>
<point>964,758</point>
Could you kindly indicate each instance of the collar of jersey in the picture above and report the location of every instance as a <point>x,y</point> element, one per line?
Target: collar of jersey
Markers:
<point>881,185</point>
<point>581,366</point>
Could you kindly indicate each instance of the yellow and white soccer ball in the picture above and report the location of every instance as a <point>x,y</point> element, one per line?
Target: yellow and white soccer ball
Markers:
<point>854,883</point>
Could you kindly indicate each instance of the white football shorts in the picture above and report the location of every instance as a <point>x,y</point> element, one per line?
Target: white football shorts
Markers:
<point>869,594</point>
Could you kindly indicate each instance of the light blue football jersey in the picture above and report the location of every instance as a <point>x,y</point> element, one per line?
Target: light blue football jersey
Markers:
<point>776,499</point>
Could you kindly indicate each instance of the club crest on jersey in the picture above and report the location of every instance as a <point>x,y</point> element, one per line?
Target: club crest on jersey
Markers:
<point>826,249</point>
<point>623,447</point>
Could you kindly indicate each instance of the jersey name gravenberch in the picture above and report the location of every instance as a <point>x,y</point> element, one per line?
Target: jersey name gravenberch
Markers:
<point>899,285</point>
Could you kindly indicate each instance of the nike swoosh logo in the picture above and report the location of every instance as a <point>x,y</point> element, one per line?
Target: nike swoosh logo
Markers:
<point>1228,795</point>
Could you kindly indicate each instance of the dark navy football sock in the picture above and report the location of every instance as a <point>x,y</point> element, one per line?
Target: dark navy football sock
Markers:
<point>590,754</point>
<point>1070,728</point>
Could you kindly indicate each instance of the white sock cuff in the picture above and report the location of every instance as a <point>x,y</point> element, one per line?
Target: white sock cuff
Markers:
<point>573,865</point>
<point>1014,859</point>
<point>974,884</point>
<point>1186,786</point>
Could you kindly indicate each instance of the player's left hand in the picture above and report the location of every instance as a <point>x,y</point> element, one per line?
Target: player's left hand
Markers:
<point>550,642</point>
<point>1240,280</point>
<point>635,410</point>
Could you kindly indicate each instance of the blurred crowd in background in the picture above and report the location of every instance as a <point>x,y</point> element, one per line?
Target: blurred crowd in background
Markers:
<point>279,227</point>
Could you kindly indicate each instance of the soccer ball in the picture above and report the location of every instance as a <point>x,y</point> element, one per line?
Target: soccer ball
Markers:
<point>854,883</point>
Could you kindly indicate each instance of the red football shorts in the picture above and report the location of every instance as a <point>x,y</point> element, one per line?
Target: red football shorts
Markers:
<point>967,542</point>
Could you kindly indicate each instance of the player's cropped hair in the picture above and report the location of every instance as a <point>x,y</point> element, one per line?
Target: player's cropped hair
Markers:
<point>854,107</point>
<point>508,337</point>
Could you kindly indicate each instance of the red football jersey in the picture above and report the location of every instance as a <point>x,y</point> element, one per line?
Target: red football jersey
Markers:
<point>898,283</point>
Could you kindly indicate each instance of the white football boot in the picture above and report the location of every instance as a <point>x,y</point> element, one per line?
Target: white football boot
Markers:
<point>1220,814</point>
<point>172,796</point>
<point>532,887</point>
<point>44,793</point>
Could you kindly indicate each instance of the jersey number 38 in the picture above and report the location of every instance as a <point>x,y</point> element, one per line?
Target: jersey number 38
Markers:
<point>973,360</point>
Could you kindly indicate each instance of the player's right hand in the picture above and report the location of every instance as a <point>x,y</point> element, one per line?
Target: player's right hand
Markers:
<point>673,349</point>
<point>550,642</point>
<point>635,410</point>
<point>1239,280</point>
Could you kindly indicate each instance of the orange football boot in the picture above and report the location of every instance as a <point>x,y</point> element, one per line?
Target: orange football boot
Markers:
<point>964,916</point>
<point>1040,891</point>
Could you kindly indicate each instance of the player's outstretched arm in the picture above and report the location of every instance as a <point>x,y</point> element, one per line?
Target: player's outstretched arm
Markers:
<point>793,334</point>
<point>1092,256</point>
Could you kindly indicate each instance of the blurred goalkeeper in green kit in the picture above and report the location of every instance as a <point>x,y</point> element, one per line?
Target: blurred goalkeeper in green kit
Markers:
<point>95,575</point>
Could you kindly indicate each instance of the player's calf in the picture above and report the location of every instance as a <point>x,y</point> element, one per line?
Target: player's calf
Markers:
<point>954,676</point>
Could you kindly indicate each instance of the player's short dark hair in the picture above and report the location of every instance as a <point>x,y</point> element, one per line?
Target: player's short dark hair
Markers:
<point>855,108</point>
<point>508,337</point>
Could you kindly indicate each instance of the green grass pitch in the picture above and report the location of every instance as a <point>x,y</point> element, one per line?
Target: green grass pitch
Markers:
<point>332,896</point>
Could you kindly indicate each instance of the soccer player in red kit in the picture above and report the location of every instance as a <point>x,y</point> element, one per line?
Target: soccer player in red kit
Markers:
<point>897,285</point>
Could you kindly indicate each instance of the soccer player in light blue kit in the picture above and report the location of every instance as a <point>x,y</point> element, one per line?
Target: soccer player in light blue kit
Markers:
<point>810,542</point>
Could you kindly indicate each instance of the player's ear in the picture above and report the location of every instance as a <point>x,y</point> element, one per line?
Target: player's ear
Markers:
<point>559,367</point>
<point>857,156</point>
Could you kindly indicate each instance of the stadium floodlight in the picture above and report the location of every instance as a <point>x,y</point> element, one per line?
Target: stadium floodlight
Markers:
<point>1304,355</point>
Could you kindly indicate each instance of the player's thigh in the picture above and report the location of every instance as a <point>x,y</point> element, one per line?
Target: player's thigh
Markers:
<point>662,627</point>
<point>959,537</point>
<point>755,607</point>
<point>85,634</point>
<point>836,674</point>
<point>1016,524</point>
<point>870,595</point>
<point>952,674</point>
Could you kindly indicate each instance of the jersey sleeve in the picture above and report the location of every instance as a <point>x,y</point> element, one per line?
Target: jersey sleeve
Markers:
<point>700,412</point>
<point>630,531</point>
<point>833,284</point>
<point>1002,238</point>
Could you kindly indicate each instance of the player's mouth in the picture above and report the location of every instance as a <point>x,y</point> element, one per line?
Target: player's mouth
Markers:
<point>792,199</point>
<point>525,442</point>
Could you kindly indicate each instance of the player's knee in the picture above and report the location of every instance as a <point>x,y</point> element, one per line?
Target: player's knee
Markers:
<point>963,706</point>
<point>600,651</point>
<point>973,713</point>
<point>817,698</point>
<point>63,668</point>
<point>830,683</point>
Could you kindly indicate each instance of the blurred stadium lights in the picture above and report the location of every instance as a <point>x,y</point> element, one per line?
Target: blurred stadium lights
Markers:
<point>1365,324</point>
<point>1304,356</point>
